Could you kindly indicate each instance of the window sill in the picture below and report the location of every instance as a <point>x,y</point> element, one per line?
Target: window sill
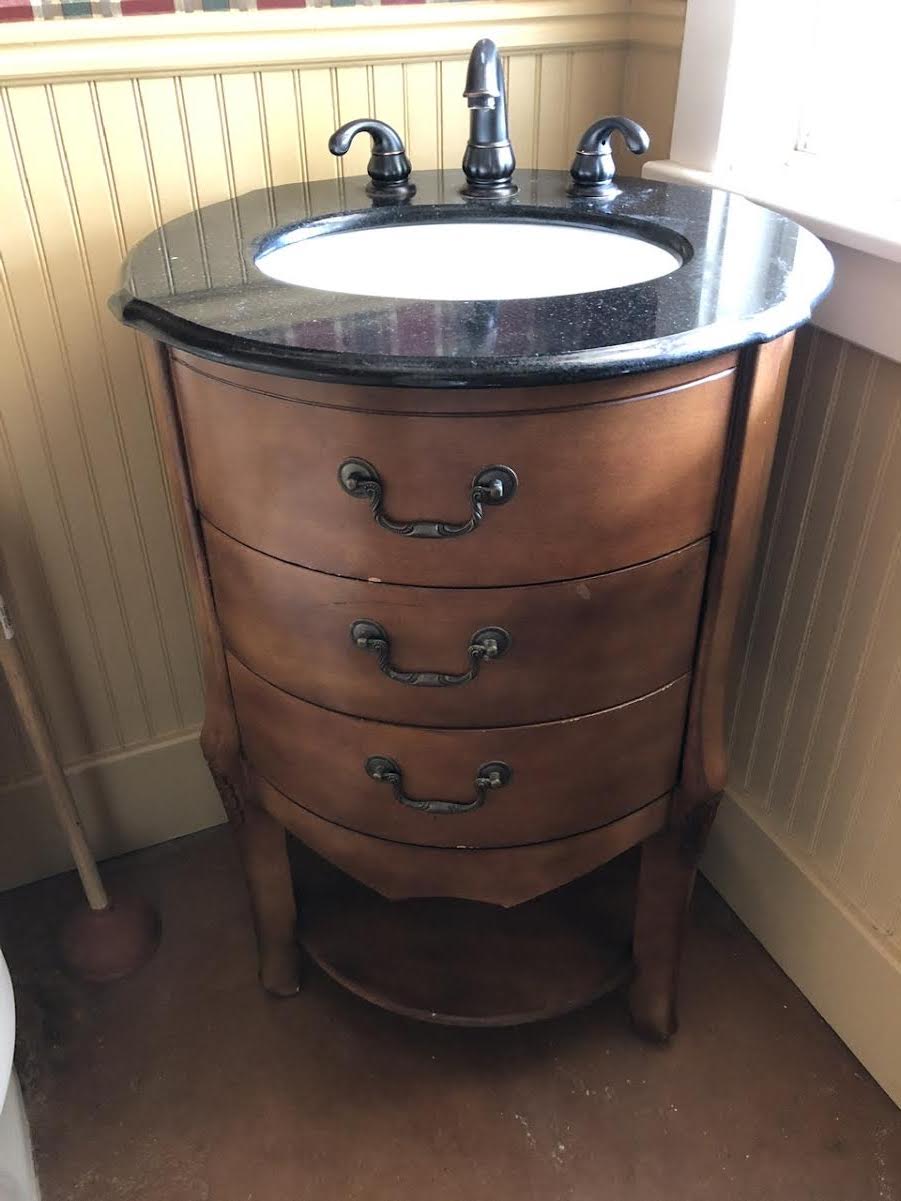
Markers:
<point>864,305</point>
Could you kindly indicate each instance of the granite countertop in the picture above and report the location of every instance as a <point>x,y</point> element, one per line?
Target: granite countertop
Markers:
<point>750,275</point>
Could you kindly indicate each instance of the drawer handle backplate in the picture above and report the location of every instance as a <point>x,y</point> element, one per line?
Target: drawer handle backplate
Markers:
<point>489,776</point>
<point>490,486</point>
<point>485,645</point>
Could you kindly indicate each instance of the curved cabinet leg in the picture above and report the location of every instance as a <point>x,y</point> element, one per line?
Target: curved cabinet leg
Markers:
<point>261,840</point>
<point>669,862</point>
<point>264,856</point>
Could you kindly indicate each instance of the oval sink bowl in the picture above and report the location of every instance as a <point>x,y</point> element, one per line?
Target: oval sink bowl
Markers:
<point>467,260</point>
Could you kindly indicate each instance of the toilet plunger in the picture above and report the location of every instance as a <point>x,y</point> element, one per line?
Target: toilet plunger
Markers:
<point>108,938</point>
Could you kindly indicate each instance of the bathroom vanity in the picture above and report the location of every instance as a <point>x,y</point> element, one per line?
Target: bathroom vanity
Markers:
<point>469,472</point>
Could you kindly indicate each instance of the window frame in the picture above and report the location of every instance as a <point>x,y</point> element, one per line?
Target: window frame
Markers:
<point>735,127</point>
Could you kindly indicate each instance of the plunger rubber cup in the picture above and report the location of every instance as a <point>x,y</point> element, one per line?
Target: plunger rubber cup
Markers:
<point>102,945</point>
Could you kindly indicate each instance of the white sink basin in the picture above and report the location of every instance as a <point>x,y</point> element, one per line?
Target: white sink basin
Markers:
<point>468,260</point>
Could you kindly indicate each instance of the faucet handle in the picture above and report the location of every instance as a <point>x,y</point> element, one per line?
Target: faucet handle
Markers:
<point>593,167</point>
<point>389,168</point>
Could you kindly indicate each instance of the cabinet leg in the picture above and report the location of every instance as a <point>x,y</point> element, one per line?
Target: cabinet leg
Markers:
<point>669,863</point>
<point>264,856</point>
<point>264,853</point>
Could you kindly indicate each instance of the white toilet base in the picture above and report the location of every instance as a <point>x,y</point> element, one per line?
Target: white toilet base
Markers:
<point>17,1178</point>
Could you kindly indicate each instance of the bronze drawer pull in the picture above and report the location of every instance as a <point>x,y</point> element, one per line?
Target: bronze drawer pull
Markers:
<point>490,486</point>
<point>489,775</point>
<point>489,643</point>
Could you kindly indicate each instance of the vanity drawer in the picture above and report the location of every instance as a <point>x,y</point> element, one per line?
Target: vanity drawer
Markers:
<point>574,647</point>
<point>598,487</point>
<point>498,876</point>
<point>565,777</point>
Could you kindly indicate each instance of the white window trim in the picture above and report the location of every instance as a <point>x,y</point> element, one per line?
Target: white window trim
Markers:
<point>721,89</point>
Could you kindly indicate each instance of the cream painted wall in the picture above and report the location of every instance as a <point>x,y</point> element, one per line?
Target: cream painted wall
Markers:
<point>808,845</point>
<point>816,742</point>
<point>106,133</point>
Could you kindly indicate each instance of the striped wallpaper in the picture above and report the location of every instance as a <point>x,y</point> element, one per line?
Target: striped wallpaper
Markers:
<point>50,10</point>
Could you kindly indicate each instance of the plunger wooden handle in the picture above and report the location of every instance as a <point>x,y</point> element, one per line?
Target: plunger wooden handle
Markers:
<point>39,736</point>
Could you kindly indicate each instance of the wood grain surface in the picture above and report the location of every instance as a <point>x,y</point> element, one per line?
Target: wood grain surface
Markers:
<point>568,776</point>
<point>500,876</point>
<point>576,647</point>
<point>600,487</point>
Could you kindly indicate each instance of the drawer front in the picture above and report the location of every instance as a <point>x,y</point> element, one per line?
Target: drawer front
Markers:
<point>574,647</point>
<point>564,777</point>
<point>457,401</point>
<point>498,876</point>
<point>596,489</point>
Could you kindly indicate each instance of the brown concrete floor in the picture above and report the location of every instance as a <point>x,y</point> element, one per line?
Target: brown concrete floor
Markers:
<point>186,1083</point>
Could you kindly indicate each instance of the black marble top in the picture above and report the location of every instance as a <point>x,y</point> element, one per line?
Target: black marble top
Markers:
<point>749,275</point>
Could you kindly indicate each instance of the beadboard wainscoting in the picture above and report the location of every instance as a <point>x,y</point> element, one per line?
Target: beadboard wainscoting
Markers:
<point>105,132</point>
<point>807,847</point>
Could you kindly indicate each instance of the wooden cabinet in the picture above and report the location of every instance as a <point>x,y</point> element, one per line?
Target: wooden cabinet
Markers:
<point>597,487</point>
<point>572,647</point>
<point>471,645</point>
<point>565,777</point>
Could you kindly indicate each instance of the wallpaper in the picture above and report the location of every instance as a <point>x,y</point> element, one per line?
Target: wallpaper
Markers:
<point>49,10</point>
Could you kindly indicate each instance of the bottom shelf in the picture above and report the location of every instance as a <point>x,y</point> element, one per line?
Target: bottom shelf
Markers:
<point>464,963</point>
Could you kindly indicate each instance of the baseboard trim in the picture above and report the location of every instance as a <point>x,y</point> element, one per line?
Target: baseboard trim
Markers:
<point>128,800</point>
<point>846,971</point>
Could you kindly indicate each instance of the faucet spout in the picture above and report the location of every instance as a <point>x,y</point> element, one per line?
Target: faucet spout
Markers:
<point>484,75</point>
<point>488,163</point>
